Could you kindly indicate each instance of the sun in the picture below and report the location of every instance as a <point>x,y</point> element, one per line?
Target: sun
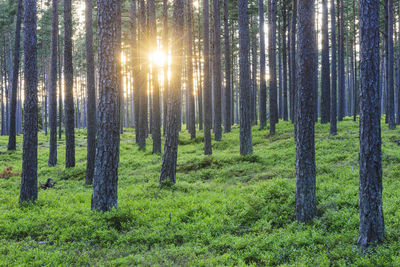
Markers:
<point>158,58</point>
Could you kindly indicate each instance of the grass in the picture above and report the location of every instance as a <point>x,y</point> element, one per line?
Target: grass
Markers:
<point>224,209</point>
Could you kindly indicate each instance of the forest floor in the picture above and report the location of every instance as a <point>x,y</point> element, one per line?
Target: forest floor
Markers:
<point>225,209</point>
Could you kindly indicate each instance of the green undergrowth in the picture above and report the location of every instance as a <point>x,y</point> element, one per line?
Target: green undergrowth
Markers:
<point>225,209</point>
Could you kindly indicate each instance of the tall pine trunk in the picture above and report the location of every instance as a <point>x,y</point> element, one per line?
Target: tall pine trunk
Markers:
<point>228,86</point>
<point>390,68</point>
<point>273,105</point>
<point>333,112</point>
<point>207,81</point>
<point>263,83</point>
<point>189,71</point>
<point>325,72</point>
<point>217,85</point>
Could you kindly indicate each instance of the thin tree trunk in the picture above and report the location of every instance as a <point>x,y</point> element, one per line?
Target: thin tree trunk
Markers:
<point>390,70</point>
<point>228,86</point>
<point>207,96</point>
<point>285,65</point>
<point>189,69</point>
<point>325,72</point>
<point>217,85</point>
<point>333,124</point>
<point>273,109</point>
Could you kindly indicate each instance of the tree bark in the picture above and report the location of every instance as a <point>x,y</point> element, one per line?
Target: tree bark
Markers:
<point>305,146</point>
<point>29,190</point>
<point>105,180</point>
<point>207,81</point>
<point>217,85</point>
<point>293,61</point>
<point>390,69</point>
<point>273,109</point>
<point>285,65</point>
<point>189,70</point>
<point>333,112</point>
<point>325,72</point>
<point>228,86</point>
<point>371,228</point>
<point>342,100</point>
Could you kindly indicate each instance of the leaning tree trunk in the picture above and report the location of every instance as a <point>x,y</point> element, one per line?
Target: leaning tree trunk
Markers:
<point>207,81</point>
<point>333,112</point>
<point>263,83</point>
<point>91,96</point>
<point>105,180</point>
<point>168,167</point>
<point>325,73</point>
<point>69,87</point>
<point>12,137</point>
<point>29,190</point>
<point>217,85</point>
<point>246,145</point>
<point>371,228</point>
<point>305,146</point>
<point>53,86</point>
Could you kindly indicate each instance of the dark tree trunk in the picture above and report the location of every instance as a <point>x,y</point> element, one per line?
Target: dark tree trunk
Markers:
<point>189,70</point>
<point>293,61</point>
<point>305,146</point>
<point>207,81</point>
<point>253,44</point>
<point>217,85</point>
<point>135,67</point>
<point>166,81</point>
<point>371,227</point>
<point>12,137</point>
<point>325,72</point>
<point>29,190</point>
<point>60,99</point>
<point>168,167</point>
<point>285,65</point>
<point>390,69</point>
<point>280,82</point>
<point>91,96</point>
<point>273,108</point>
<point>228,86</point>
<point>105,180</point>
<point>68,88</point>
<point>263,84</point>
<point>246,145</point>
<point>341,88</point>
<point>333,124</point>
<point>53,86</point>
<point>355,82</point>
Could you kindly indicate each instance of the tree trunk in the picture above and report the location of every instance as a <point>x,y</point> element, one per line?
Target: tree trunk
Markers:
<point>207,81</point>
<point>325,72</point>
<point>165,70</point>
<point>333,112</point>
<point>293,61</point>
<point>168,167</point>
<point>189,70</point>
<point>217,85</point>
<point>135,67</point>
<point>53,86</point>
<point>29,190</point>
<point>60,99</point>
<point>12,137</point>
<point>273,109</point>
<point>105,180</point>
<point>371,228</point>
<point>285,65</point>
<point>246,145</point>
<point>390,70</point>
<point>91,96</point>
<point>68,88</point>
<point>306,207</point>
<point>228,86</point>
<point>341,88</point>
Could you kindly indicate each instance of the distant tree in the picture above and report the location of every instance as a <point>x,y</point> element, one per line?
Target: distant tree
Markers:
<point>91,95</point>
<point>273,103</point>
<point>53,85</point>
<point>168,167</point>
<point>333,112</point>
<point>371,228</point>
<point>217,85</point>
<point>284,59</point>
<point>325,73</point>
<point>305,147</point>
<point>390,69</point>
<point>105,180</point>
<point>227,57</point>
<point>29,190</point>
<point>207,81</point>
<point>246,145</point>
<point>342,100</point>
<point>263,86</point>
<point>69,87</point>
<point>12,135</point>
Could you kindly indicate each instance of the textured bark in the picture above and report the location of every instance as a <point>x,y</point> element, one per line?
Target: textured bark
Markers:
<point>325,72</point>
<point>305,146</point>
<point>189,70</point>
<point>390,69</point>
<point>217,85</point>
<point>91,95</point>
<point>156,116</point>
<point>333,113</point>
<point>105,180</point>
<point>371,228</point>
<point>263,86</point>
<point>285,65</point>
<point>293,61</point>
<point>168,167</point>
<point>228,86</point>
<point>29,190</point>
<point>13,107</point>
<point>68,88</point>
<point>342,104</point>
<point>207,81</point>
<point>53,86</point>
<point>246,145</point>
<point>273,105</point>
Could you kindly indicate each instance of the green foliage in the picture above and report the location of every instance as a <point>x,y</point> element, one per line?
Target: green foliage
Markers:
<point>225,209</point>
